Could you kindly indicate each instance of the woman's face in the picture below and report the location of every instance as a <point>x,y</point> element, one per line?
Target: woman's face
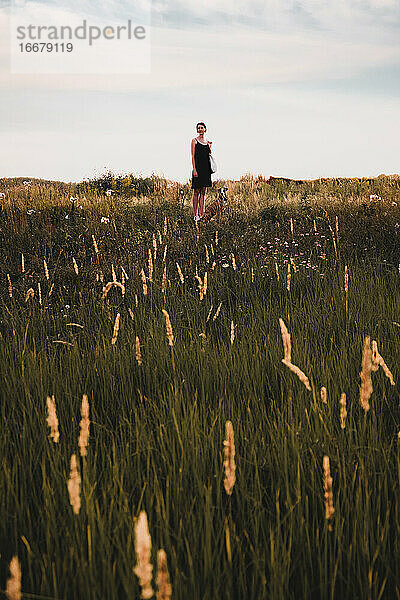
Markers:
<point>201,129</point>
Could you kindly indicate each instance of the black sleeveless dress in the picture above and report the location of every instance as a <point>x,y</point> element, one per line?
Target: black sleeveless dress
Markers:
<point>203,167</point>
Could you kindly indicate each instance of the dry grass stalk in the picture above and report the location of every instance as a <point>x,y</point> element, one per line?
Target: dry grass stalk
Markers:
<point>287,346</point>
<point>324,395</point>
<point>277,270</point>
<point>123,278</point>
<point>150,261</point>
<point>180,273</point>
<point>143,569</point>
<point>293,264</point>
<point>212,248</point>
<point>165,226</point>
<point>143,276</point>
<point>154,245</point>
<point>13,585</point>
<point>288,277</point>
<point>101,276</point>
<point>343,411</point>
<point>96,249</point>
<point>39,293</point>
<point>229,462</point>
<point>164,280</point>
<point>22,263</point>
<point>216,238</point>
<point>159,237</point>
<point>29,294</point>
<point>346,288</point>
<point>337,228</point>
<point>333,239</point>
<point>377,361</point>
<point>329,509</point>
<point>252,275</point>
<point>233,261</point>
<point>83,441</point>
<point>203,341</point>
<point>213,265</point>
<point>205,283</point>
<point>138,353</point>
<point>164,588</point>
<point>165,253</point>
<point>209,313</point>
<point>365,375</point>
<point>74,486</point>
<point>113,274</point>
<point>10,290</point>
<point>131,313</point>
<point>232,332</point>
<point>46,270</point>
<point>168,326</point>
<point>125,273</point>
<point>111,284</point>
<point>116,329</point>
<point>51,289</point>
<point>217,311</point>
<point>291,226</point>
<point>207,256</point>
<point>52,419</point>
<point>315,226</point>
<point>302,376</point>
<point>75,266</point>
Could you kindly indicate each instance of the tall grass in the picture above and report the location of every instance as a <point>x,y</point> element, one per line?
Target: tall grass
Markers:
<point>158,409</point>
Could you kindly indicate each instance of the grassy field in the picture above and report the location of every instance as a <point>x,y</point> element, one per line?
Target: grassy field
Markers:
<point>158,421</point>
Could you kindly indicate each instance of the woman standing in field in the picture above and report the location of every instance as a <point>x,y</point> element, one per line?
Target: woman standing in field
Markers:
<point>201,176</point>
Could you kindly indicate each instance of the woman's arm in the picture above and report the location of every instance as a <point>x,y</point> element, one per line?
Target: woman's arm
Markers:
<point>193,144</point>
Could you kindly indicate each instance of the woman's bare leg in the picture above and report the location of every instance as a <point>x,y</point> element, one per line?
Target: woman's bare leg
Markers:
<point>195,201</point>
<point>201,202</point>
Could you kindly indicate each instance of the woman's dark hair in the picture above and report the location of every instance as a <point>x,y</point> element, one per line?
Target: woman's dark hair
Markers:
<point>201,123</point>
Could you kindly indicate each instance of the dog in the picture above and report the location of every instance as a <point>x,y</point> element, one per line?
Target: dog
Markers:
<point>216,207</point>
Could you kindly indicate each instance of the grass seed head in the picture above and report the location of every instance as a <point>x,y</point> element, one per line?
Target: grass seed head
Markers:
<point>287,346</point>
<point>74,486</point>
<point>180,273</point>
<point>46,270</point>
<point>143,569</point>
<point>168,326</point>
<point>10,290</point>
<point>150,261</point>
<point>329,509</point>
<point>13,585</point>
<point>52,419</point>
<point>343,411</point>
<point>138,352</point>
<point>83,441</point>
<point>229,462</point>
<point>300,374</point>
<point>29,294</point>
<point>377,361</point>
<point>324,395</point>
<point>116,329</point>
<point>164,588</point>
<point>365,375</point>
<point>143,276</point>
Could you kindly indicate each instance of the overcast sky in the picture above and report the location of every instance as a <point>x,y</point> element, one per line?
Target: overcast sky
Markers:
<point>298,89</point>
